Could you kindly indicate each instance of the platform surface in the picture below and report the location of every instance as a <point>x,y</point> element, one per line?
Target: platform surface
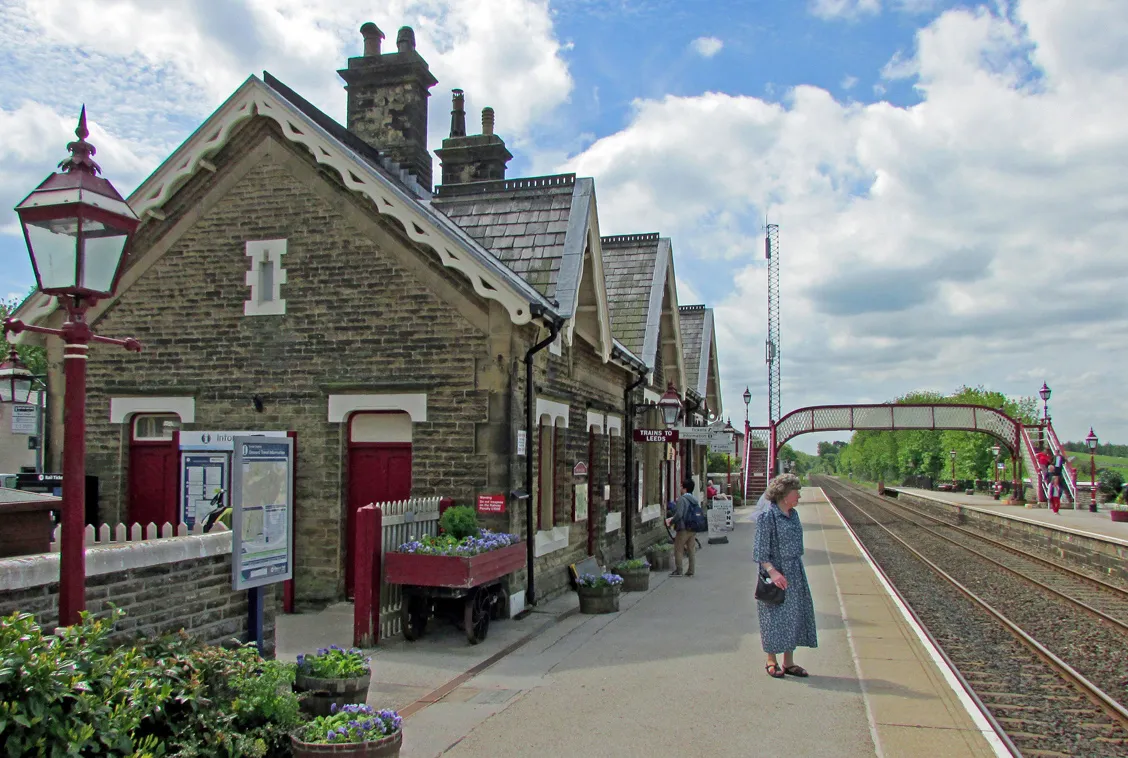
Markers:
<point>1081,521</point>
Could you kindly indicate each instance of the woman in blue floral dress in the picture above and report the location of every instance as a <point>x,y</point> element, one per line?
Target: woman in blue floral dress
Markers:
<point>779,551</point>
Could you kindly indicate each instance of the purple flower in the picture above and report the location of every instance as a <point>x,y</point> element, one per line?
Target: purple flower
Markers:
<point>333,708</point>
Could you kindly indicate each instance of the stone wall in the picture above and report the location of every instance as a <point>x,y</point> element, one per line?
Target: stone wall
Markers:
<point>366,312</point>
<point>162,585</point>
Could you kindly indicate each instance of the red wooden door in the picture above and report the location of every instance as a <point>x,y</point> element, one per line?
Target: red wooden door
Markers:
<point>378,472</point>
<point>152,483</point>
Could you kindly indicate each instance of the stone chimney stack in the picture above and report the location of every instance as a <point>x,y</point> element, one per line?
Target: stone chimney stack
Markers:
<point>476,158</point>
<point>387,100</point>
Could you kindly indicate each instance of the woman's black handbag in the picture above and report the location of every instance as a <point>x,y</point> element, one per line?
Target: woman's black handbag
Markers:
<point>766,590</point>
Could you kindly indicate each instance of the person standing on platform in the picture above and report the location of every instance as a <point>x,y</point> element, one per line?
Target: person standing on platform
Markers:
<point>1055,493</point>
<point>778,549</point>
<point>685,540</point>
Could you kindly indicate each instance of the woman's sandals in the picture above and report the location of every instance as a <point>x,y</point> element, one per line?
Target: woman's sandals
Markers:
<point>774,671</point>
<point>794,670</point>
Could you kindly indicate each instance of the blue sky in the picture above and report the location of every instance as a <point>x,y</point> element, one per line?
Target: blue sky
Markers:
<point>928,162</point>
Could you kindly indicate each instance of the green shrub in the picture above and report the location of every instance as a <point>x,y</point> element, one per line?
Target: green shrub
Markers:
<point>459,522</point>
<point>661,547</point>
<point>79,695</point>
<point>633,564</point>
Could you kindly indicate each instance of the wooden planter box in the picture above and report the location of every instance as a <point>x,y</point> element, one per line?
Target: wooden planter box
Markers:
<point>25,523</point>
<point>634,580</point>
<point>1118,515</point>
<point>660,560</point>
<point>453,571</point>
<point>387,747</point>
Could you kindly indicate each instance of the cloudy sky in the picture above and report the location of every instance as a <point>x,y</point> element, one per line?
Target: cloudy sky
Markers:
<point>950,179</point>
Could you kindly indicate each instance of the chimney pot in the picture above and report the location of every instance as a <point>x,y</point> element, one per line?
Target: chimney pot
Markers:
<point>372,36</point>
<point>458,114</point>
<point>487,120</point>
<point>405,40</point>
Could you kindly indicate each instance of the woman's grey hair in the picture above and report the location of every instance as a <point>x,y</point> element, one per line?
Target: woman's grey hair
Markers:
<point>780,486</point>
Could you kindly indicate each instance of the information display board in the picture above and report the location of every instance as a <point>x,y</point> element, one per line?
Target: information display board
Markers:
<point>262,511</point>
<point>25,418</point>
<point>720,516</point>
<point>202,477</point>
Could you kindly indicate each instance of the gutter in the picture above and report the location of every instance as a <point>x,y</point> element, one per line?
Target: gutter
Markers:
<point>631,480</point>
<point>554,324</point>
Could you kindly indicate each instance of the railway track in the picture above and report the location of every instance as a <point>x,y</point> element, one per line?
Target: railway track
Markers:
<point>1041,648</point>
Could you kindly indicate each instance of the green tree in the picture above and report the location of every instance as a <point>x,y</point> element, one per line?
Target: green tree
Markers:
<point>33,356</point>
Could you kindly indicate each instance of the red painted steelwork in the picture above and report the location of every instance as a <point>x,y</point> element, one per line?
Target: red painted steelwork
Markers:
<point>454,571</point>
<point>366,609</point>
<point>288,585</point>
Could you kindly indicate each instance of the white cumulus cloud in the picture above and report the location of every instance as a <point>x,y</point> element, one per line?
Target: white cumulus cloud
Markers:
<point>828,9</point>
<point>707,47</point>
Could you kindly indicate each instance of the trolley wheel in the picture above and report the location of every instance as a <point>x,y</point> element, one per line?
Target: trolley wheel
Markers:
<point>414,612</point>
<point>476,615</point>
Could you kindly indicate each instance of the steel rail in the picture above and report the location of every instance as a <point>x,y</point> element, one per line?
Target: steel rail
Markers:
<point>1108,704</point>
<point>1011,548</point>
<point>1053,590</point>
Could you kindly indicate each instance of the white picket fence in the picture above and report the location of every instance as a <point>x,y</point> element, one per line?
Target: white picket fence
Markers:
<point>402,521</point>
<point>107,535</point>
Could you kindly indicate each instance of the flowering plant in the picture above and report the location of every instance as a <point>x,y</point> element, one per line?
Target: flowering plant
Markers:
<point>334,663</point>
<point>606,580</point>
<point>467,546</point>
<point>351,723</point>
<point>633,564</point>
<point>662,547</point>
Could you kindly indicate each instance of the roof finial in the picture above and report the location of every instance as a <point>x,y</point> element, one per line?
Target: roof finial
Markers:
<point>81,150</point>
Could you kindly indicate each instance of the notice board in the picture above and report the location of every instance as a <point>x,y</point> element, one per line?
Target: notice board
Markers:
<point>262,501</point>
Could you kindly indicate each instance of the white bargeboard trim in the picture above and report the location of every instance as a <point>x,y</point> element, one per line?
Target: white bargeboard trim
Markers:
<point>121,408</point>
<point>414,404</point>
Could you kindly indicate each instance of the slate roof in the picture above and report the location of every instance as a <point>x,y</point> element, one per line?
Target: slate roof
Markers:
<point>692,329</point>
<point>628,265</point>
<point>523,222</point>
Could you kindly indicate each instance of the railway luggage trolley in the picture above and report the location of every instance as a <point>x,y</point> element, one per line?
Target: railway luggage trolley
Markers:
<point>467,589</point>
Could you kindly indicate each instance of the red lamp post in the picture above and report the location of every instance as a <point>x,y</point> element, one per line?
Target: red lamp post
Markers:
<point>730,430</point>
<point>1091,442</point>
<point>77,228</point>
<point>1044,393</point>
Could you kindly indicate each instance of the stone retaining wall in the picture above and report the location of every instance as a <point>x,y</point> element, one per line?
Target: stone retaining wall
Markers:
<point>162,585</point>
<point>1072,549</point>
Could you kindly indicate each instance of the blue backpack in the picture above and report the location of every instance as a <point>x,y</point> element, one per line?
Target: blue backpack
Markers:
<point>695,520</point>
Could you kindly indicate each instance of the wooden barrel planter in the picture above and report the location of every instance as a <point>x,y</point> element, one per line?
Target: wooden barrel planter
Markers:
<point>660,560</point>
<point>598,599</point>
<point>385,747</point>
<point>634,580</point>
<point>322,694</point>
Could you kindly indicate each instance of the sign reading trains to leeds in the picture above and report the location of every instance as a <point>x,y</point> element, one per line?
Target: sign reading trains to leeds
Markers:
<point>262,511</point>
<point>491,503</point>
<point>655,435</point>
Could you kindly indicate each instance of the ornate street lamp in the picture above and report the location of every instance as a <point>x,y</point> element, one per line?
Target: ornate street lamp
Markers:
<point>1091,442</point>
<point>747,400</point>
<point>671,406</point>
<point>1044,393</point>
<point>730,430</point>
<point>953,454</point>
<point>995,450</point>
<point>77,228</point>
<point>15,380</point>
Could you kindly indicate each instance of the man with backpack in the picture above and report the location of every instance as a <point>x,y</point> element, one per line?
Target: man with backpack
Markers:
<point>688,518</point>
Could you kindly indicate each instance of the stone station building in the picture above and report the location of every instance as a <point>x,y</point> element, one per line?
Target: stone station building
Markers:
<point>294,276</point>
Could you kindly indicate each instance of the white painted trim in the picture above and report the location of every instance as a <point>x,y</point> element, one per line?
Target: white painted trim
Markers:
<point>556,347</point>
<point>553,410</point>
<point>415,405</point>
<point>454,247</point>
<point>651,512</point>
<point>614,424</point>
<point>550,540</point>
<point>37,570</point>
<point>614,522</point>
<point>121,408</point>
<point>595,419</point>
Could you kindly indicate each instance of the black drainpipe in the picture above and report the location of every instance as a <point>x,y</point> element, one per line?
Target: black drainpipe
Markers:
<point>632,480</point>
<point>530,425</point>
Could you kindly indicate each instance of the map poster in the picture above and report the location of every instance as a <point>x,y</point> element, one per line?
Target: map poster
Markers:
<point>262,514</point>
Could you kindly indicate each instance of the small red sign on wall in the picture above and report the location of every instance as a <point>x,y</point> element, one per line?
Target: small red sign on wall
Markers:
<point>491,503</point>
<point>580,469</point>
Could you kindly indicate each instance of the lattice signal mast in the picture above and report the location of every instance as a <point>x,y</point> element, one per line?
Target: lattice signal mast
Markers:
<point>771,252</point>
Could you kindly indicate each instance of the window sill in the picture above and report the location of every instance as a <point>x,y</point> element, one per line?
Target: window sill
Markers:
<point>614,521</point>
<point>550,540</point>
<point>651,512</point>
